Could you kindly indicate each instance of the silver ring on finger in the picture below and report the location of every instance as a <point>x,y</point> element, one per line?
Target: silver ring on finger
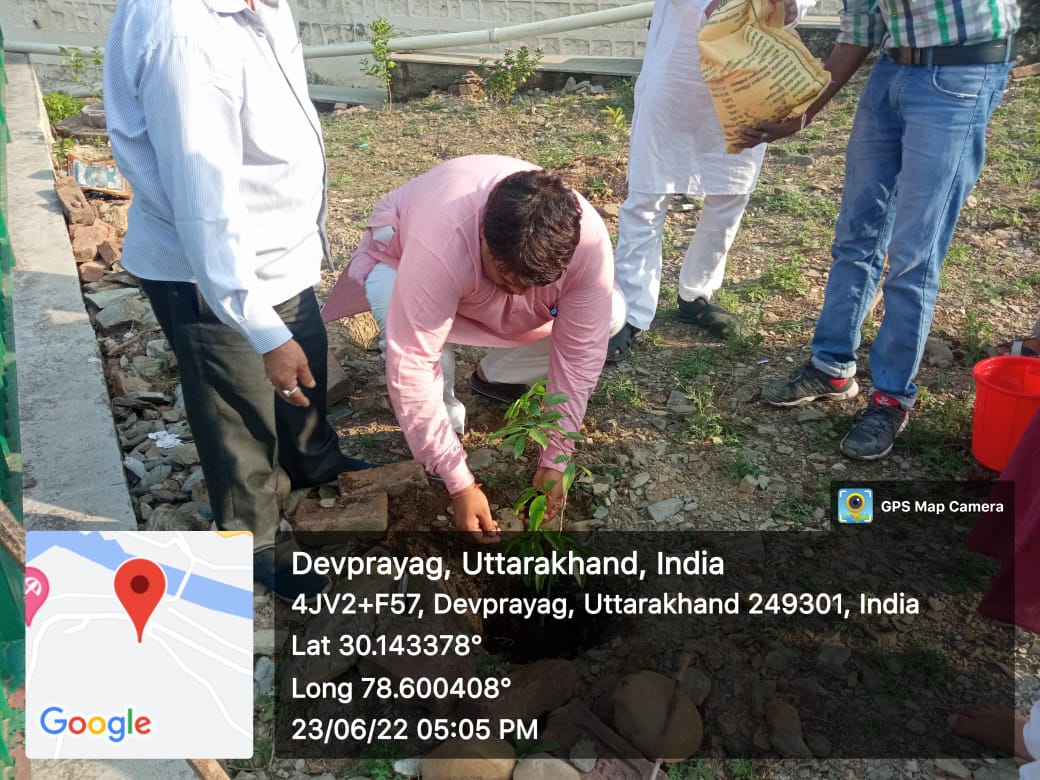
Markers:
<point>289,391</point>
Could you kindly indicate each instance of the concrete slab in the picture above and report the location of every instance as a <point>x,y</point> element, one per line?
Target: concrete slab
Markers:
<point>71,457</point>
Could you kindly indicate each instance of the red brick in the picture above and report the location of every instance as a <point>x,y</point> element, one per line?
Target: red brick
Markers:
<point>392,480</point>
<point>87,238</point>
<point>351,515</point>
<point>110,252</point>
<point>91,271</point>
<point>74,205</point>
<point>339,385</point>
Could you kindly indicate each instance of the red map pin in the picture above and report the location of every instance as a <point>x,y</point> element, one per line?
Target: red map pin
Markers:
<point>139,585</point>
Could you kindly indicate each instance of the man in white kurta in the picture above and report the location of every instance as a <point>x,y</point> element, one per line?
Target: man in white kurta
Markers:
<point>677,148</point>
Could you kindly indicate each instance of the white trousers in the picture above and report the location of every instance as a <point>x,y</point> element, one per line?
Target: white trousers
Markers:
<point>637,261</point>
<point>525,364</point>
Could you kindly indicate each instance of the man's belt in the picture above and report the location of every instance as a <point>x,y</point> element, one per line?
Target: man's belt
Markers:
<point>972,54</point>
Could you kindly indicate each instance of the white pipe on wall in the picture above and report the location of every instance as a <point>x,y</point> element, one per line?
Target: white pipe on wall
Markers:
<point>422,42</point>
<point>493,35</point>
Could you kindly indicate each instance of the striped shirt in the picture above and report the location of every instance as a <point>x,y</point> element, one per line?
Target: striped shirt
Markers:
<point>924,23</point>
<point>207,106</point>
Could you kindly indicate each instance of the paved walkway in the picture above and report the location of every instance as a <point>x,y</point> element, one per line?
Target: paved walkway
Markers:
<point>72,462</point>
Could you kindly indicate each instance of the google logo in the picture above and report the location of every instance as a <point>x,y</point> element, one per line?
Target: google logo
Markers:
<point>117,728</point>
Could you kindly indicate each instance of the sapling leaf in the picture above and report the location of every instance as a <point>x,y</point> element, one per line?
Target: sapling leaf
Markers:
<point>562,458</point>
<point>539,437</point>
<point>518,448</point>
<point>554,399</point>
<point>536,512</point>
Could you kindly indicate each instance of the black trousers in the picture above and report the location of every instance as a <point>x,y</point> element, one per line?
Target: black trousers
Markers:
<point>244,433</point>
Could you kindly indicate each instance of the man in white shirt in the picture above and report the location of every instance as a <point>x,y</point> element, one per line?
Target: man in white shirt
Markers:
<point>210,120</point>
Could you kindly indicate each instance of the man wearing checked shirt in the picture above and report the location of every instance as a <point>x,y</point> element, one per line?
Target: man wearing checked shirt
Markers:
<point>914,154</point>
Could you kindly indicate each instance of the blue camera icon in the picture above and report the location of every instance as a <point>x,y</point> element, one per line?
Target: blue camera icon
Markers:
<point>855,505</point>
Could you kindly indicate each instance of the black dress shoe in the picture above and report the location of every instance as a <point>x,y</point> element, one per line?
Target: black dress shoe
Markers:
<point>499,391</point>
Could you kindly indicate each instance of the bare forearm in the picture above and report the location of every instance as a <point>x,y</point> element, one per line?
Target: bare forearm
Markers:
<point>844,60</point>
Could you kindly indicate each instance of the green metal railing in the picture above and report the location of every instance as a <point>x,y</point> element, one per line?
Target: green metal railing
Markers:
<point>12,605</point>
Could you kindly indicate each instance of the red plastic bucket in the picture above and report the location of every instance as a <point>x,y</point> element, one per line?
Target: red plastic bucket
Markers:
<point>1007,395</point>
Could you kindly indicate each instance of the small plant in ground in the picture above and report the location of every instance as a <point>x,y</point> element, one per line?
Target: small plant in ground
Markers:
<point>532,418</point>
<point>742,770</point>
<point>691,769</point>
<point>615,118</point>
<point>786,278</point>
<point>704,424</point>
<point>791,510</point>
<point>621,389</point>
<point>61,105</point>
<point>502,77</point>
<point>701,362</point>
<point>978,335</point>
<point>80,69</point>
<point>61,148</point>
<point>742,467</point>
<point>379,764</point>
<point>381,68</point>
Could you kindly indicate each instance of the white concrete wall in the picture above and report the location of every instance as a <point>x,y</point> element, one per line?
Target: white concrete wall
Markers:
<point>335,21</point>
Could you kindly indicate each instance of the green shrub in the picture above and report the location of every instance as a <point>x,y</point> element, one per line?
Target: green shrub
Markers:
<point>61,105</point>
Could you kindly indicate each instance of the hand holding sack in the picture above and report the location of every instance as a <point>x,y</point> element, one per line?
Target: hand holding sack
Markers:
<point>755,68</point>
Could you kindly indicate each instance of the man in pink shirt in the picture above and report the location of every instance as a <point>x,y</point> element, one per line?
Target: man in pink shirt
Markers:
<point>485,251</point>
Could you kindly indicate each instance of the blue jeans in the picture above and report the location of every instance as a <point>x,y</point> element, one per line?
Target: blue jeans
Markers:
<point>914,154</point>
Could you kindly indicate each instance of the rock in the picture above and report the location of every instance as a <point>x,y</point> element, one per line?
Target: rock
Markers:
<point>74,205</point>
<point>114,212</point>
<point>542,766</point>
<point>749,484</point>
<point>94,115</point>
<point>263,677</point>
<point>392,480</point>
<point>662,510</point>
<point>570,86</point>
<point>597,89</point>
<point>583,754</point>
<point>409,767</point>
<point>167,518</point>
<point>469,760</point>
<point>953,767</point>
<point>110,252</point>
<point>832,658</point>
<point>802,160</point>
<point>263,641</point>
<point>640,479</point>
<point>107,298</point>
<point>147,367</point>
<point>641,707</point>
<point>938,352</point>
<point>91,271</point>
<point>809,414</point>
<point>363,330</point>
<point>158,349</point>
<point>882,772</point>
<point>134,466</point>
<point>819,745</point>
<point>87,238</point>
<point>785,730</point>
<point>126,310</point>
<point>155,476</point>
<point>185,455</point>
<point>697,686</point>
<point>481,459</point>
<point>568,725</point>
<point>608,426</point>
<point>678,404</point>
<point>349,515</point>
<point>338,386</point>
<point>915,726</point>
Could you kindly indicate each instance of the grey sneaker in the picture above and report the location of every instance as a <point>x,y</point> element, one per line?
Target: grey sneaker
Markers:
<point>875,434</point>
<point>806,384</point>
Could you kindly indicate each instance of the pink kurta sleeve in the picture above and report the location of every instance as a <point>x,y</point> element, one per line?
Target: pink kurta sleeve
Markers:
<point>580,333</point>
<point>422,310</point>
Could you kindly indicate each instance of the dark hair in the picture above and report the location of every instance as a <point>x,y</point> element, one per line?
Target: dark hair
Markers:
<point>532,225</point>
